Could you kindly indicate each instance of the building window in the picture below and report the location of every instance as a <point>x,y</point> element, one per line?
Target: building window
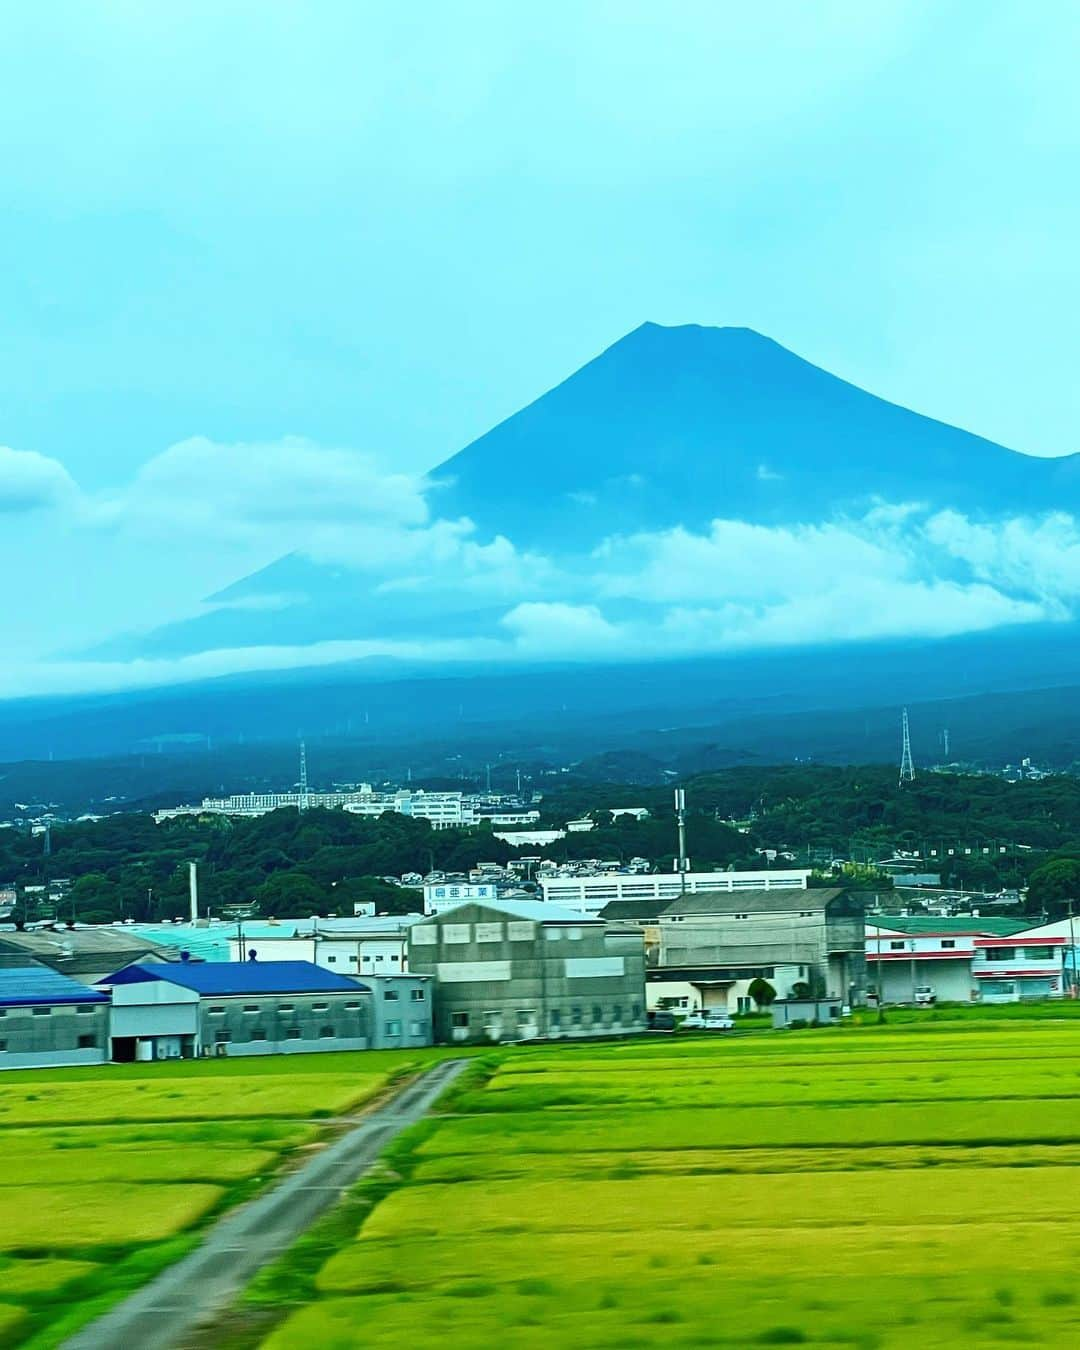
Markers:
<point>459,1019</point>
<point>416,1028</point>
<point>325,1033</point>
<point>896,946</point>
<point>554,1019</point>
<point>637,1012</point>
<point>597,1013</point>
<point>575,1016</point>
<point>42,1012</point>
<point>320,1007</point>
<point>286,1008</point>
<point>391,995</point>
<point>1039,953</point>
<point>222,1037</point>
<point>1001,954</point>
<point>251,1007</point>
<point>947,942</point>
<point>3,1012</point>
<point>616,1013</point>
<point>216,1012</point>
<point>87,1042</point>
<point>352,1007</point>
<point>85,1008</point>
<point>525,1016</point>
<point>378,958</point>
<point>742,916</point>
<point>806,913</point>
<point>331,960</point>
<point>258,1034</point>
<point>418,995</point>
<point>574,934</point>
<point>393,1028</point>
<point>552,934</point>
<point>353,960</point>
<point>292,1034</point>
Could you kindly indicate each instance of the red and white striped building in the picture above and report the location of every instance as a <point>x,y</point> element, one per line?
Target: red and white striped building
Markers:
<point>970,964</point>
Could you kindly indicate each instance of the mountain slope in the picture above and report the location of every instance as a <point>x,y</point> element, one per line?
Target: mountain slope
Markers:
<point>680,425</point>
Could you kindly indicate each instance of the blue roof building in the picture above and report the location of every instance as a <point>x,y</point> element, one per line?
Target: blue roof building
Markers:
<point>184,1009</point>
<point>48,1020</point>
<point>229,979</point>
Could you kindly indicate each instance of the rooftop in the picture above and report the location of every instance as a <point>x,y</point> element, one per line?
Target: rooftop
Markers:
<point>240,977</point>
<point>932,925</point>
<point>22,985</point>
<point>781,901</point>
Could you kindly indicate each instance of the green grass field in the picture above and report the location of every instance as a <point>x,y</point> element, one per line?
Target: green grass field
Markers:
<point>866,1187</point>
<point>107,1173</point>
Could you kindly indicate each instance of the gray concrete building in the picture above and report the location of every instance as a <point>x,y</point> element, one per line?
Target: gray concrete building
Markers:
<point>518,970</point>
<point>182,1010</point>
<point>704,950</point>
<point>48,1020</point>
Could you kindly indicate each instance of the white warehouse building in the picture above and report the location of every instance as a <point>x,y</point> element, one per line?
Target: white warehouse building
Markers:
<point>591,894</point>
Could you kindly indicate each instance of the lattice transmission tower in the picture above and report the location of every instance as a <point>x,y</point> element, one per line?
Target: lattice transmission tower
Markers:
<point>907,764</point>
<point>305,799</point>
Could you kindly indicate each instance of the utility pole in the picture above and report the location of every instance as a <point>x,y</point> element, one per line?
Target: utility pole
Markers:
<point>907,765</point>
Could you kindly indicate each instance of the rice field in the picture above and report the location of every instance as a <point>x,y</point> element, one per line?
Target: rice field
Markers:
<point>861,1187</point>
<point>108,1172</point>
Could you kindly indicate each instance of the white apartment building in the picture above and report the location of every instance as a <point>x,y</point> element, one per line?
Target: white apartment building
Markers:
<point>591,894</point>
<point>443,809</point>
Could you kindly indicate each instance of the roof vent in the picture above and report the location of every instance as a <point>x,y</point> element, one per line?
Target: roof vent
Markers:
<point>185,955</point>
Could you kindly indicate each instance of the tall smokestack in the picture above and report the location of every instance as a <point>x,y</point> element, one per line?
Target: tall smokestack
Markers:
<point>193,890</point>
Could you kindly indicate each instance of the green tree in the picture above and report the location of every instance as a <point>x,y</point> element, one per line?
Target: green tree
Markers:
<point>762,992</point>
<point>1053,885</point>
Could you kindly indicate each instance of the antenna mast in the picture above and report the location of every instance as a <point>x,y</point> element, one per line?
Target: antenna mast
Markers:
<point>305,800</point>
<point>907,765</point>
<point>682,863</point>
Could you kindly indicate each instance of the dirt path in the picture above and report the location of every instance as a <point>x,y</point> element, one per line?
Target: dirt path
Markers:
<point>163,1314</point>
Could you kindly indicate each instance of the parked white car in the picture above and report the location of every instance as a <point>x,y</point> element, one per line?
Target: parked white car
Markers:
<point>708,1021</point>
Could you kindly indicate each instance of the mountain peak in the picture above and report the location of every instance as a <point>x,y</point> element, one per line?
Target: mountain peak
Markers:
<point>676,425</point>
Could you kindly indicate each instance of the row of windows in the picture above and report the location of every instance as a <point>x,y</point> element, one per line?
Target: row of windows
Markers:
<point>88,1042</point>
<point>41,1011</point>
<point>394,960</point>
<point>219,1010</point>
<point>528,1017</point>
<point>391,1028</point>
<point>1019,953</point>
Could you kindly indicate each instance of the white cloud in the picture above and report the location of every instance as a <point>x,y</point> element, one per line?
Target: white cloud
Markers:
<point>200,515</point>
<point>32,482</point>
<point>249,490</point>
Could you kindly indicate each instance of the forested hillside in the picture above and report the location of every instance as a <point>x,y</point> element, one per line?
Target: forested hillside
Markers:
<point>980,832</point>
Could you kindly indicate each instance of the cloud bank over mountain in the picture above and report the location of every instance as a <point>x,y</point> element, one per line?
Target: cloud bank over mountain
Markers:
<point>690,492</point>
<point>899,569</point>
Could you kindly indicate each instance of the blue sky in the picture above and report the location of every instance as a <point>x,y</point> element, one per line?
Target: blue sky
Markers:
<point>383,228</point>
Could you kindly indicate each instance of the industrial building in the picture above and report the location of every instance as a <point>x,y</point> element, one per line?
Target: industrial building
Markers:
<point>705,949</point>
<point>519,970</point>
<point>186,1009</point>
<point>961,960</point>
<point>48,1020</point>
<point>591,893</point>
<point>84,952</point>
